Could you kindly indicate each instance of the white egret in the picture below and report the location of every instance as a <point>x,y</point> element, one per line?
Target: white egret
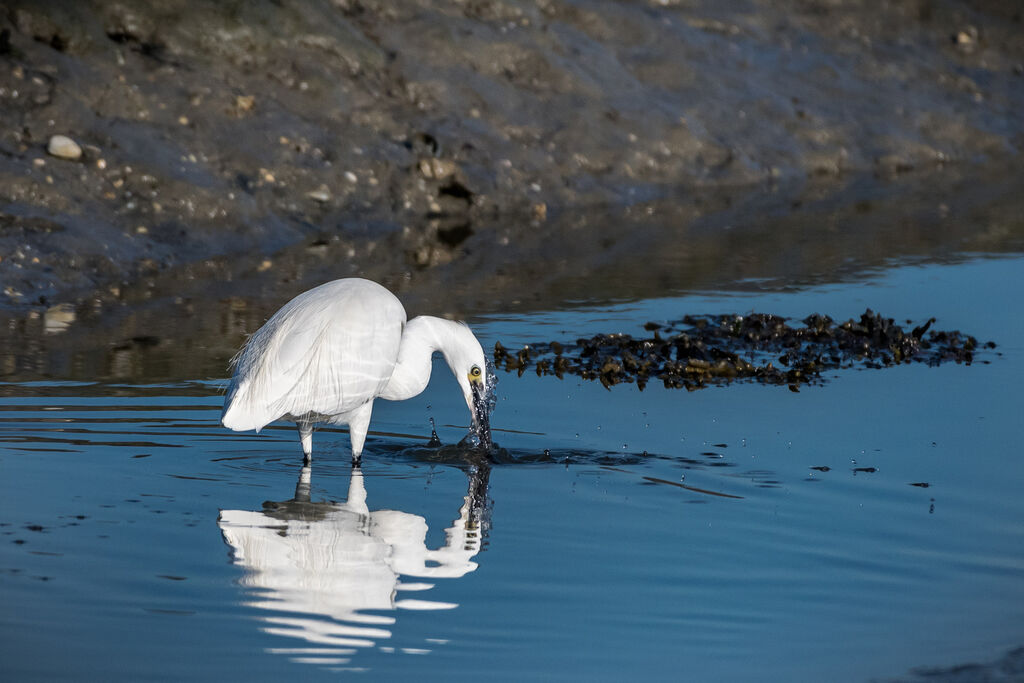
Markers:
<point>329,352</point>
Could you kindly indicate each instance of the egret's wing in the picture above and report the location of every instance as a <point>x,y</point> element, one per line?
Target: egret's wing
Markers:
<point>327,351</point>
<point>352,359</point>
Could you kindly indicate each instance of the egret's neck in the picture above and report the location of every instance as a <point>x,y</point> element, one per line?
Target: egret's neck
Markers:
<point>421,337</point>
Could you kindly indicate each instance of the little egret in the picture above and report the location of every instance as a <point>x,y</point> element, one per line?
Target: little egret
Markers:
<point>329,352</point>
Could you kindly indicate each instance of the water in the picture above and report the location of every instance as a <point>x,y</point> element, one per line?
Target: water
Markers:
<point>659,533</point>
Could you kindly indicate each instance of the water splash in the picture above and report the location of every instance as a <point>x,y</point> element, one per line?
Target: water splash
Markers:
<point>479,436</point>
<point>491,397</point>
<point>434,441</point>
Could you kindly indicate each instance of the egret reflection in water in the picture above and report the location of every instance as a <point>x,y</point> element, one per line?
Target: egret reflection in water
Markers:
<point>323,572</point>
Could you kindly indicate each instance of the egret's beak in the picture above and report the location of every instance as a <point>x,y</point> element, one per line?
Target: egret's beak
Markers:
<point>481,418</point>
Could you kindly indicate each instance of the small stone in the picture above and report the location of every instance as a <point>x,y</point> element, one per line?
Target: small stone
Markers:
<point>351,177</point>
<point>437,169</point>
<point>101,164</point>
<point>64,147</point>
<point>183,120</point>
<point>966,40</point>
<point>320,194</point>
<point>967,36</point>
<point>39,163</point>
<point>141,230</point>
<point>245,103</point>
<point>266,176</point>
<point>264,265</point>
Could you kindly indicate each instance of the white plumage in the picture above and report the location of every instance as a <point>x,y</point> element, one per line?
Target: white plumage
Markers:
<point>329,352</point>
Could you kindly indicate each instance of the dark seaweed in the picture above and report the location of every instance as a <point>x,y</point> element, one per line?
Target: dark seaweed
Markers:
<point>700,351</point>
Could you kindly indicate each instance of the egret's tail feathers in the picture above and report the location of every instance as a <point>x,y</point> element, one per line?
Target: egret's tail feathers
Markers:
<point>240,416</point>
<point>239,421</point>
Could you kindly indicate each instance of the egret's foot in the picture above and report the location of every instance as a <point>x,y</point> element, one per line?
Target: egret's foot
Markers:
<point>357,460</point>
<point>307,459</point>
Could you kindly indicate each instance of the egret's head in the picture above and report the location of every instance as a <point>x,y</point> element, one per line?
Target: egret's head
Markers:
<point>466,358</point>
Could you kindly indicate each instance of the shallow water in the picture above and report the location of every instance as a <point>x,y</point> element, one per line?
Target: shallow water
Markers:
<point>663,533</point>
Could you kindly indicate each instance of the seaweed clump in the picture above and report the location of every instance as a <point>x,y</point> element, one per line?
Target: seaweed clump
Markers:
<point>700,351</point>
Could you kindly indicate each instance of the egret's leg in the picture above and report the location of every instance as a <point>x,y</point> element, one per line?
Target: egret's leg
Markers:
<point>306,437</point>
<point>358,425</point>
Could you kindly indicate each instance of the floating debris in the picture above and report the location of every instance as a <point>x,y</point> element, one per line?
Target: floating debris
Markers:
<point>699,351</point>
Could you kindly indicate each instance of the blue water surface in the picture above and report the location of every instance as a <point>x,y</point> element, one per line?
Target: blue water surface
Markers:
<point>663,534</point>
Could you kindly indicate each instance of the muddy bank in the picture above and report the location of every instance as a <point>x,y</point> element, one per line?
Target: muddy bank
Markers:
<point>185,323</point>
<point>211,130</point>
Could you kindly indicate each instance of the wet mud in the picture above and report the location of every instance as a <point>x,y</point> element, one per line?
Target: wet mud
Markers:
<point>205,138</point>
<point>701,351</point>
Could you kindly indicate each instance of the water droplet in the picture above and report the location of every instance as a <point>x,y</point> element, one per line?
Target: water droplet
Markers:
<point>434,441</point>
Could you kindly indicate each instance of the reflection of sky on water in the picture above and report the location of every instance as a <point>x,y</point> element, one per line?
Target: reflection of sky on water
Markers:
<point>324,571</point>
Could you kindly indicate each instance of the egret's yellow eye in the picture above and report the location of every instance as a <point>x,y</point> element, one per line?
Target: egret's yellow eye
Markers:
<point>475,372</point>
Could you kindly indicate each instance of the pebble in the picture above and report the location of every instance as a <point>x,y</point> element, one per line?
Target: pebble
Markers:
<point>320,195</point>
<point>63,147</point>
<point>437,169</point>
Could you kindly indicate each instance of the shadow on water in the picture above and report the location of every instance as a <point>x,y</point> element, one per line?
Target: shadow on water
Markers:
<point>329,576</point>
